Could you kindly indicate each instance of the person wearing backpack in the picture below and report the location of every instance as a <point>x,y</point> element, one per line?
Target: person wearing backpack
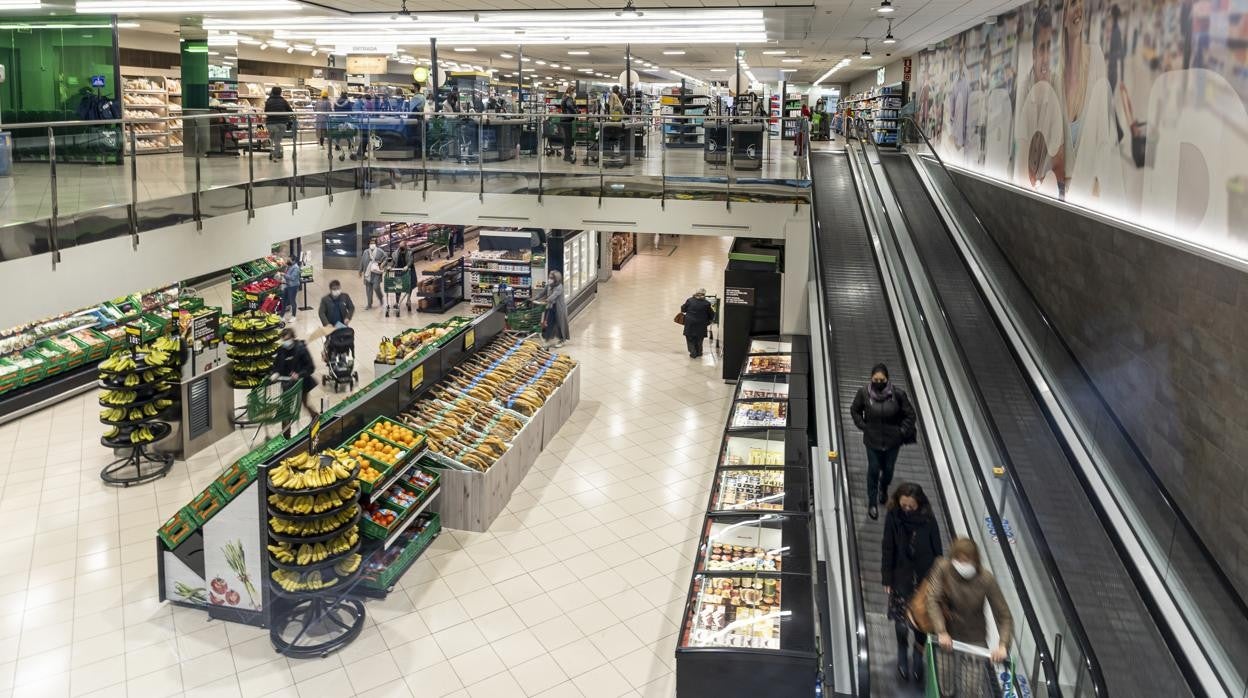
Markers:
<point>884,414</point>
<point>910,548</point>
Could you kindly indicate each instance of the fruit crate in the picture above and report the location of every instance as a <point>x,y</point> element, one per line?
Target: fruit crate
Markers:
<point>54,357</point>
<point>372,529</point>
<point>387,576</point>
<point>234,480</point>
<point>10,376</point>
<point>100,350</point>
<point>366,487</point>
<point>177,529</point>
<point>206,504</point>
<point>405,483</point>
<point>34,373</point>
<point>154,325</point>
<point>420,440</point>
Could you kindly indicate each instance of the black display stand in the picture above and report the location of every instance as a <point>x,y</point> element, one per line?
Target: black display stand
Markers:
<point>448,288</point>
<point>751,302</point>
<point>749,624</point>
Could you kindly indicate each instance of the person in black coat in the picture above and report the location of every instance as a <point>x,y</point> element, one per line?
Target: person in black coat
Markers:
<point>276,109</point>
<point>910,548</point>
<point>884,414</point>
<point>293,362</point>
<point>698,314</point>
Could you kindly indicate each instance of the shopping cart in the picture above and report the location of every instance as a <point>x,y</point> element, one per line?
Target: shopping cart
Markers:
<point>966,672</point>
<point>527,317</point>
<point>268,404</point>
<point>342,137</point>
<point>716,347</point>
<point>397,281</point>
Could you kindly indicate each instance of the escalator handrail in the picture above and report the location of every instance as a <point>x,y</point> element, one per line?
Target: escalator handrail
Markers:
<point>849,536</point>
<point>1033,621</point>
<point>1172,507</point>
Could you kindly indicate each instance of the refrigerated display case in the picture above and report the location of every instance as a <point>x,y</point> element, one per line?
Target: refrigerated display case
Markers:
<point>749,622</point>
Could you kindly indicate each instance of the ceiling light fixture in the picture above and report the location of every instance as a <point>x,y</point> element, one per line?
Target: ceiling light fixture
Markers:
<point>314,52</point>
<point>888,38</point>
<point>541,62</point>
<point>788,70</point>
<point>774,52</point>
<point>719,70</point>
<point>464,49</point>
<point>263,46</point>
<point>290,49</point>
<point>629,11</point>
<point>886,6</point>
<point>182,6</point>
<point>673,53</point>
<point>790,60</point>
<point>578,53</point>
<point>866,51</point>
<point>505,55</point>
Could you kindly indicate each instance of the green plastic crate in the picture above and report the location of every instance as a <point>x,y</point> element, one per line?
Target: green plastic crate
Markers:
<point>177,529</point>
<point>55,364</point>
<point>206,504</point>
<point>33,374</point>
<point>387,577</point>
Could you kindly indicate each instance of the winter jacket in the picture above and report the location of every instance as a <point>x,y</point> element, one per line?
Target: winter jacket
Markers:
<point>276,107</point>
<point>292,278</point>
<point>698,314</point>
<point>336,310</point>
<point>956,605</point>
<point>909,550</point>
<point>885,424</point>
<point>295,360</point>
<point>568,106</point>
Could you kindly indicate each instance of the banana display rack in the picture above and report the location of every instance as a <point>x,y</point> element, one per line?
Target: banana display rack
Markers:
<point>138,391</point>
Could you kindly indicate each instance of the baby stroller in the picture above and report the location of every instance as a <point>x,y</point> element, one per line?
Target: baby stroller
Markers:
<point>339,357</point>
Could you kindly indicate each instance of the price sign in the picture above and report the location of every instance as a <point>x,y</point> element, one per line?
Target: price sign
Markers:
<point>253,300</point>
<point>305,273</point>
<point>470,339</point>
<point>313,436</point>
<point>418,377</point>
<point>134,335</point>
<point>738,296</point>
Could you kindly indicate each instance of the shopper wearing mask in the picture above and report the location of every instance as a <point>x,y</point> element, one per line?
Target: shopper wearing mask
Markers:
<point>911,546</point>
<point>293,362</point>
<point>322,106</point>
<point>292,281</point>
<point>336,307</point>
<point>277,120</point>
<point>555,319</point>
<point>886,417</point>
<point>371,270</point>
<point>567,124</point>
<point>697,314</point>
<point>956,592</point>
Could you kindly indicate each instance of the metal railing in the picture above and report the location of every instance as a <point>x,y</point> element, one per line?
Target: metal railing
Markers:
<point>1046,665</point>
<point>1208,603</point>
<point>64,187</point>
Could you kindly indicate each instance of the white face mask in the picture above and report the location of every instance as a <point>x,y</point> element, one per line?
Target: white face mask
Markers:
<point>287,343</point>
<point>966,569</point>
<point>335,293</point>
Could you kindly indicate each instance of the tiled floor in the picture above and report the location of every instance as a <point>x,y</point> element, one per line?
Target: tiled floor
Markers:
<point>26,195</point>
<point>576,590</point>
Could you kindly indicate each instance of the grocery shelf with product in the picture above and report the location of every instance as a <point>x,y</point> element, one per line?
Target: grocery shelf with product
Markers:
<point>492,273</point>
<point>302,529</point>
<point>749,626</point>
<point>46,361</point>
<point>442,288</point>
<point>623,248</point>
<point>253,283</point>
<point>251,347</point>
<point>415,343</point>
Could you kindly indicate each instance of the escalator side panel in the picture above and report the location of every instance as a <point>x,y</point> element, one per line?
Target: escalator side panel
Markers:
<point>1130,648</point>
<point>863,335</point>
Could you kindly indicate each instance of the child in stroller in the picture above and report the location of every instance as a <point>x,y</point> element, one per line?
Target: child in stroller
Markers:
<point>339,358</point>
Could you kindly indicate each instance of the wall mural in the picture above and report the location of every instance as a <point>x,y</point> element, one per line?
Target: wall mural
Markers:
<point>1134,108</point>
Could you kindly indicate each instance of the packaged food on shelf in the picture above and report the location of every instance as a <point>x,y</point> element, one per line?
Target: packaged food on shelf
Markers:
<point>759,413</point>
<point>736,612</point>
<point>756,490</point>
<point>767,363</point>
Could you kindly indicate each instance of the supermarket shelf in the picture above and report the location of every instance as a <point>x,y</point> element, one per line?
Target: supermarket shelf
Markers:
<point>412,516</point>
<point>394,477</point>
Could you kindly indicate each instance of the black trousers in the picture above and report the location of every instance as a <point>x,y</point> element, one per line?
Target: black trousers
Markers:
<point>565,132</point>
<point>880,471</point>
<point>695,345</point>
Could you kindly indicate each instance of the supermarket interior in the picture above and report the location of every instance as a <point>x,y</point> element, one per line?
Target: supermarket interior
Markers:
<point>788,349</point>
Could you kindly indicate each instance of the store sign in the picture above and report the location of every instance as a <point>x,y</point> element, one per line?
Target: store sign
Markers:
<point>418,377</point>
<point>253,300</point>
<point>220,72</point>
<point>305,273</point>
<point>879,76</point>
<point>366,65</point>
<point>470,339</point>
<point>905,70</point>
<point>738,296</point>
<point>97,81</point>
<point>134,335</point>
<point>204,328</point>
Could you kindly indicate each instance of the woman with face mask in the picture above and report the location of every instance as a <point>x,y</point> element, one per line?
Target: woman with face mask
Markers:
<point>956,592</point>
<point>293,362</point>
<point>884,414</point>
<point>555,319</point>
<point>911,546</point>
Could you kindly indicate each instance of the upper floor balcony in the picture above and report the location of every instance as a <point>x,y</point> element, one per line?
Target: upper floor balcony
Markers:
<point>73,183</point>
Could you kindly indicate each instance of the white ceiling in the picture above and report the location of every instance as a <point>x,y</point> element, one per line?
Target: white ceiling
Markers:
<point>819,34</point>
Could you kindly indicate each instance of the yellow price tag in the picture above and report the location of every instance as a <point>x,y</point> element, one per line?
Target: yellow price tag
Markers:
<point>470,339</point>
<point>418,376</point>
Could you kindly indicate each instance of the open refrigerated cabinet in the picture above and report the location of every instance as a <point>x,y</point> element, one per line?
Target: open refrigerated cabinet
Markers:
<point>749,622</point>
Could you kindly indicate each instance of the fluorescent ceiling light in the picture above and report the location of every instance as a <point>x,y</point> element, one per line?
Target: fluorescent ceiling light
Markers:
<point>673,53</point>
<point>788,70</point>
<point>584,70</point>
<point>541,62</point>
<point>719,70</point>
<point>464,49</point>
<point>526,60</point>
<point>790,60</point>
<point>774,52</point>
<point>505,55</point>
<point>578,53</point>
<point>183,6</point>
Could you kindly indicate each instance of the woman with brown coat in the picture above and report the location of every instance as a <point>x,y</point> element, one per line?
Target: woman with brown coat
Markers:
<point>956,592</point>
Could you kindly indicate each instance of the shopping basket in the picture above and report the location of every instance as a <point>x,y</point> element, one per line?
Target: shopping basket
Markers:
<point>268,404</point>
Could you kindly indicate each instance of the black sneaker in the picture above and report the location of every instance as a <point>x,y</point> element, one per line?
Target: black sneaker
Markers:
<point>873,512</point>
<point>903,667</point>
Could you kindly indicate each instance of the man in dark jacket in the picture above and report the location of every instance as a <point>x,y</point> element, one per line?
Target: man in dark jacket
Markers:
<point>567,123</point>
<point>698,314</point>
<point>276,120</point>
<point>884,414</point>
<point>336,307</point>
<point>293,362</point>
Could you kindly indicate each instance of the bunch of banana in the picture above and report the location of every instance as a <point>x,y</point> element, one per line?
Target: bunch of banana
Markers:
<point>111,432</point>
<point>312,581</point>
<point>282,552</point>
<point>310,553</point>
<point>118,397</point>
<point>142,434</point>
<point>135,415</point>
<point>348,564</point>
<point>163,404</point>
<point>167,343</point>
<point>302,476</point>
<point>311,527</point>
<point>132,380</point>
<point>342,543</point>
<point>118,362</point>
<point>151,410</point>
<point>308,504</point>
<point>113,414</point>
<point>156,357</point>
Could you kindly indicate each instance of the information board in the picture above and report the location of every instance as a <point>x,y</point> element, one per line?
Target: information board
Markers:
<point>738,296</point>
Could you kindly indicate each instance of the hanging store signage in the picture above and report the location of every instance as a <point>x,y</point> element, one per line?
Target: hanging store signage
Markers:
<point>738,296</point>
<point>879,76</point>
<point>905,70</point>
<point>366,65</point>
